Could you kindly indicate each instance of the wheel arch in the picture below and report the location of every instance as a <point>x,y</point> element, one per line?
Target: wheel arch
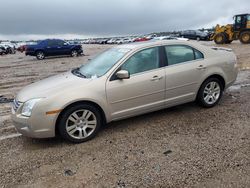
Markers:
<point>74,48</point>
<point>218,76</point>
<point>104,119</point>
<point>42,50</point>
<point>243,30</point>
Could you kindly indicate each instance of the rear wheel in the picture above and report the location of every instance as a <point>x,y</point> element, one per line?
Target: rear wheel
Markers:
<point>40,55</point>
<point>220,38</point>
<point>210,92</point>
<point>245,37</point>
<point>79,123</point>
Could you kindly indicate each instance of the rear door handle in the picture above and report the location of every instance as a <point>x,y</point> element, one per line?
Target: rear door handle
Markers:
<point>156,78</point>
<point>201,67</point>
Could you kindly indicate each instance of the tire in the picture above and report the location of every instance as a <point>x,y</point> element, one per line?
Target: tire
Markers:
<point>74,53</point>
<point>220,38</point>
<point>40,55</point>
<point>75,128</point>
<point>245,37</point>
<point>210,92</point>
<point>198,38</point>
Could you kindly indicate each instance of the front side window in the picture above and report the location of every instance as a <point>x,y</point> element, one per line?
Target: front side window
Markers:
<point>52,43</point>
<point>142,61</point>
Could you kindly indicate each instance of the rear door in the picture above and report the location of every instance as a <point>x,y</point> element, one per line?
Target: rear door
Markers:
<point>183,73</point>
<point>144,91</point>
<point>52,48</point>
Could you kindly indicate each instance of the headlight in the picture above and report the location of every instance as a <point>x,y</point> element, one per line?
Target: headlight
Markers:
<point>27,107</point>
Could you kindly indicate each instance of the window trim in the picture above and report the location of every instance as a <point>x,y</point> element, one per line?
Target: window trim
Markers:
<point>193,49</point>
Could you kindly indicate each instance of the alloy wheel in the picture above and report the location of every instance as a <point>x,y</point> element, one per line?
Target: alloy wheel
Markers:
<point>74,53</point>
<point>81,124</point>
<point>211,92</point>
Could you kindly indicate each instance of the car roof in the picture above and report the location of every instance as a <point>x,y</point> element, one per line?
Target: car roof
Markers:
<point>138,45</point>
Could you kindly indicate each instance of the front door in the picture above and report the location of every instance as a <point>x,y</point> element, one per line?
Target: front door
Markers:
<point>144,91</point>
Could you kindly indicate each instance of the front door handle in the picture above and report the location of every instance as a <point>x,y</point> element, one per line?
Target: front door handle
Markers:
<point>156,78</point>
<point>201,67</point>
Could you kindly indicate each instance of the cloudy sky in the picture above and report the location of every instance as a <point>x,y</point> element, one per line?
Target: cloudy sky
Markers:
<point>37,19</point>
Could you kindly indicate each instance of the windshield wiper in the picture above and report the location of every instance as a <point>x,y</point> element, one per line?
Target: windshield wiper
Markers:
<point>78,73</point>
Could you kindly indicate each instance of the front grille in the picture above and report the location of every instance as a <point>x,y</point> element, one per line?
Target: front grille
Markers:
<point>15,104</point>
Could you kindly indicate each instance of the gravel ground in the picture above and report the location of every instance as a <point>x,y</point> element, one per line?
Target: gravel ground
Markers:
<point>184,146</point>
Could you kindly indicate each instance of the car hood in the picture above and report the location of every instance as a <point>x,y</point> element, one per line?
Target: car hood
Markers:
<point>51,86</point>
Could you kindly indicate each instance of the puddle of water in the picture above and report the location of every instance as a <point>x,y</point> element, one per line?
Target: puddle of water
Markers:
<point>9,136</point>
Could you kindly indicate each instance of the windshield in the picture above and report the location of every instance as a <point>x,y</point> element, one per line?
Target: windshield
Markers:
<point>102,63</point>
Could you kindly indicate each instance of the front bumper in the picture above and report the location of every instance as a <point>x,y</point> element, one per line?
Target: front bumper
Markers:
<point>36,126</point>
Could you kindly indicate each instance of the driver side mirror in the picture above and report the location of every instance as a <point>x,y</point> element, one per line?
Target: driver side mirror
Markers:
<point>65,44</point>
<point>123,74</point>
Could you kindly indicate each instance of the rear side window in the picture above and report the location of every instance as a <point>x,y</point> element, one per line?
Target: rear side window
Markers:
<point>180,53</point>
<point>198,54</point>
<point>52,43</point>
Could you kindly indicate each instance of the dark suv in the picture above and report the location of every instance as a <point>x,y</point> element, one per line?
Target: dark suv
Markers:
<point>194,34</point>
<point>53,47</point>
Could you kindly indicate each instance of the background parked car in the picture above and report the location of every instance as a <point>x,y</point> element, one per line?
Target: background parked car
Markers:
<point>1,50</point>
<point>21,48</point>
<point>141,39</point>
<point>170,38</point>
<point>53,47</point>
<point>194,34</point>
<point>111,41</point>
<point>6,49</point>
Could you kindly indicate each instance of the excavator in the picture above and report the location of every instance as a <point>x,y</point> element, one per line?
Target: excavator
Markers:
<point>239,30</point>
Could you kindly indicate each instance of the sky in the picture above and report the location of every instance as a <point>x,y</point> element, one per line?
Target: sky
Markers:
<point>69,19</point>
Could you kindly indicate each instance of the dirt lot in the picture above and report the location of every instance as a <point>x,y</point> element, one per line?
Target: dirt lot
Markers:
<point>184,146</point>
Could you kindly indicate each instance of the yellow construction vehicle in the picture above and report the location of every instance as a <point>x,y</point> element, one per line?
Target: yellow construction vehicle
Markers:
<point>239,30</point>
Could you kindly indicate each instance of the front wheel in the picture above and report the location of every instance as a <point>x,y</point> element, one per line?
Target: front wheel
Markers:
<point>74,53</point>
<point>220,38</point>
<point>245,37</point>
<point>210,92</point>
<point>79,123</point>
